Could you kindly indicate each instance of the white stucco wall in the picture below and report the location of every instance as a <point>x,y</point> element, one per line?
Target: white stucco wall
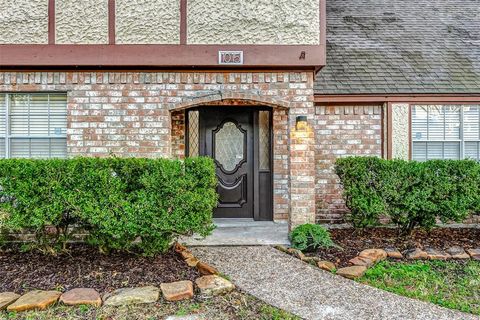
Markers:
<point>147,21</point>
<point>81,22</point>
<point>400,131</point>
<point>23,21</point>
<point>253,22</point>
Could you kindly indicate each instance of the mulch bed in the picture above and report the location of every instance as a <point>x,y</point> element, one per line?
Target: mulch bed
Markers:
<point>353,241</point>
<point>86,267</point>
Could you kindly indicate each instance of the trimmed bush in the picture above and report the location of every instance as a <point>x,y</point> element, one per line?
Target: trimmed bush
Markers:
<point>412,194</point>
<point>124,204</point>
<point>310,237</point>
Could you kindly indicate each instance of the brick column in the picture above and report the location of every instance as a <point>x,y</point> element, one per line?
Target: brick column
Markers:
<point>302,159</point>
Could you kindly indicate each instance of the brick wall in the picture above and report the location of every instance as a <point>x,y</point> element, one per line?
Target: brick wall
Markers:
<point>281,166</point>
<point>178,134</point>
<point>140,114</point>
<point>342,131</point>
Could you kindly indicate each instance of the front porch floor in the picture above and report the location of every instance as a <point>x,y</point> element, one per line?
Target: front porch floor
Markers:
<point>242,232</point>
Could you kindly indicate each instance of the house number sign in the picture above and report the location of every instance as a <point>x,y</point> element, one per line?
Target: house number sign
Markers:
<point>230,57</point>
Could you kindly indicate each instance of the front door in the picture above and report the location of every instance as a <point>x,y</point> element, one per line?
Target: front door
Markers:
<point>228,139</point>
<point>239,141</point>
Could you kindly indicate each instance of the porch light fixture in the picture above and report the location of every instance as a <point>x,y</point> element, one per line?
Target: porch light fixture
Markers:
<point>301,124</point>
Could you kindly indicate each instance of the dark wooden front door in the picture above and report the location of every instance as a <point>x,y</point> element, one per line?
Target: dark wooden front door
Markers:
<point>231,136</point>
<point>229,141</point>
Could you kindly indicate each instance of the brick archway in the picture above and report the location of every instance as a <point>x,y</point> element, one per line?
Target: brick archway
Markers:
<point>231,98</point>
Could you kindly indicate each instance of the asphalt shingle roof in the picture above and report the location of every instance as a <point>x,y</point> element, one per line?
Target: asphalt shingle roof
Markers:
<point>401,46</point>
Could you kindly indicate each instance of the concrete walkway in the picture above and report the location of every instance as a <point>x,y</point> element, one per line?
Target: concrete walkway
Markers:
<point>292,285</point>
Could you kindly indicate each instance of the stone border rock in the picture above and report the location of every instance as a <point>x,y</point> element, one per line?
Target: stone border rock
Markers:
<point>369,257</point>
<point>181,290</point>
<point>208,285</point>
<point>204,268</point>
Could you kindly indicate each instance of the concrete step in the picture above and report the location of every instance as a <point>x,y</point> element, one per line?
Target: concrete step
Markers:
<point>242,232</point>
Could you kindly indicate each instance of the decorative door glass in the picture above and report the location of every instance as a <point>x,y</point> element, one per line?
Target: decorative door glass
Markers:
<point>264,140</point>
<point>229,146</point>
<point>193,133</point>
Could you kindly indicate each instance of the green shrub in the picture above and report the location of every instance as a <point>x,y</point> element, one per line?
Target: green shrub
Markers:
<point>359,177</point>
<point>412,194</point>
<point>124,204</point>
<point>310,237</point>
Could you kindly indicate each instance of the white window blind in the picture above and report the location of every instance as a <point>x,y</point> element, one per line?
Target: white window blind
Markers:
<point>3,125</point>
<point>34,125</point>
<point>445,132</point>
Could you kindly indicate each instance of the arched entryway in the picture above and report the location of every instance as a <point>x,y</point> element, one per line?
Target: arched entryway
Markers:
<point>239,139</point>
<point>279,134</point>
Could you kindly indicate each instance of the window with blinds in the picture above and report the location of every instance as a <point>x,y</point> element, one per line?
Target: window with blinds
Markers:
<point>33,125</point>
<point>445,132</point>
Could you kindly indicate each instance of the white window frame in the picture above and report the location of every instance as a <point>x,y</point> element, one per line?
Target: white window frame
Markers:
<point>8,136</point>
<point>462,139</point>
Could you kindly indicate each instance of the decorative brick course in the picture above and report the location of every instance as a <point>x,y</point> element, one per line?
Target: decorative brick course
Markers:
<point>342,131</point>
<point>140,114</point>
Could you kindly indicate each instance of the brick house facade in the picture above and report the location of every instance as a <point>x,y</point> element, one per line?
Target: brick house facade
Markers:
<point>129,86</point>
<point>142,114</point>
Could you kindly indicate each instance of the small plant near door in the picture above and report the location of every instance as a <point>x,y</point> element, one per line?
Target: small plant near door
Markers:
<point>310,237</point>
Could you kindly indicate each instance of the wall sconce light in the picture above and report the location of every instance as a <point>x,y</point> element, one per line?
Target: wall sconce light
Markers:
<point>301,124</point>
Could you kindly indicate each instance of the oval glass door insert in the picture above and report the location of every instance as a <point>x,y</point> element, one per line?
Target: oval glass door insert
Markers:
<point>229,146</point>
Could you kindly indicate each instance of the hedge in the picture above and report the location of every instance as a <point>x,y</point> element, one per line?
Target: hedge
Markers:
<point>412,194</point>
<point>127,204</point>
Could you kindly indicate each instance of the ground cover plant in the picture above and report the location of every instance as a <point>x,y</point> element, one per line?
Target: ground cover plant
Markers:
<point>410,194</point>
<point>127,204</point>
<point>309,237</point>
<point>452,284</point>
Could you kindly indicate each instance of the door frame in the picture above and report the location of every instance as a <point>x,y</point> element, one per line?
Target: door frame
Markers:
<point>257,214</point>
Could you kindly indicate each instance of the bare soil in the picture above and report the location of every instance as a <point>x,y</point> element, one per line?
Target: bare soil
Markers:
<point>84,266</point>
<point>353,241</point>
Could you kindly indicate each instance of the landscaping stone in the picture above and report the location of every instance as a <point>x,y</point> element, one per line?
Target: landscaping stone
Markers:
<point>361,261</point>
<point>179,247</point>
<point>80,296</point>
<point>128,296</point>
<point>7,298</point>
<point>296,253</point>
<point>186,254</point>
<point>176,291</point>
<point>192,262</point>
<point>416,254</point>
<point>458,253</point>
<point>352,272</point>
<point>206,269</point>
<point>433,254</point>
<point>36,299</point>
<point>213,285</point>
<point>393,253</point>
<point>474,253</point>
<point>310,260</point>
<point>326,265</point>
<point>375,255</point>
<point>281,248</point>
